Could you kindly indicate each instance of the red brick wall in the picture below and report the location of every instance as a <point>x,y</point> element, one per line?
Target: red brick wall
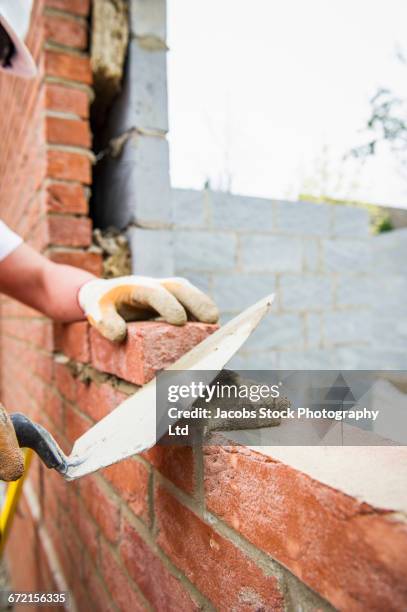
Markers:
<point>172,529</point>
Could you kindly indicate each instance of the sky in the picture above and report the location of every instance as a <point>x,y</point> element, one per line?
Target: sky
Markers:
<point>267,96</point>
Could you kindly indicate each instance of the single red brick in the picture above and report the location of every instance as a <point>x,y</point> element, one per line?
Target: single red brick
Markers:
<point>102,507</point>
<point>98,400</point>
<point>80,594</point>
<point>87,260</point>
<point>71,132</point>
<point>63,30</point>
<point>227,577</point>
<point>75,424</point>
<point>65,382</point>
<point>71,67</point>
<point>118,584</point>
<point>88,533</point>
<point>72,541</point>
<point>67,99</point>
<point>66,198</point>
<point>149,347</point>
<point>175,463</point>
<point>73,500</point>
<point>77,7</point>
<point>354,557</point>
<point>130,478</point>
<point>162,589</point>
<point>11,308</point>
<point>74,341</point>
<point>50,509</point>
<point>42,365</point>
<point>53,406</point>
<point>65,165</point>
<point>37,332</point>
<point>58,487</point>
<point>70,231</point>
<point>96,595</point>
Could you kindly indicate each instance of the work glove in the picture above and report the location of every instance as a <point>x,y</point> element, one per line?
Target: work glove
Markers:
<point>109,303</point>
<point>11,456</point>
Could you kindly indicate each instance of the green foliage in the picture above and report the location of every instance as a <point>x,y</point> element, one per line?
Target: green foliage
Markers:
<point>384,224</point>
<point>387,122</point>
<point>379,219</point>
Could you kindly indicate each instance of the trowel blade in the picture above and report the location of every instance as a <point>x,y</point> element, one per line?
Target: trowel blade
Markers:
<point>131,427</point>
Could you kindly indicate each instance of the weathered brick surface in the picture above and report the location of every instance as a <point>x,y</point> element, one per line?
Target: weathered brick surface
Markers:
<point>175,463</point>
<point>131,479</point>
<point>69,67</point>
<point>220,571</point>
<point>66,198</point>
<point>92,262</point>
<point>71,132</point>
<point>76,426</point>
<point>63,30</point>
<point>312,529</point>
<point>77,7</point>
<point>70,231</point>
<point>148,571</point>
<point>65,382</point>
<point>149,347</point>
<point>96,400</point>
<point>67,99</point>
<point>73,340</point>
<point>119,586</point>
<point>65,165</point>
<point>102,507</point>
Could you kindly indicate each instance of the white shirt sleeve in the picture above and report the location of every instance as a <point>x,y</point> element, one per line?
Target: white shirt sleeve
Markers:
<point>9,240</point>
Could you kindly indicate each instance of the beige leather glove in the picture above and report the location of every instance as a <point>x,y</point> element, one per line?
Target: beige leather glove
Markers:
<point>109,303</point>
<point>11,456</point>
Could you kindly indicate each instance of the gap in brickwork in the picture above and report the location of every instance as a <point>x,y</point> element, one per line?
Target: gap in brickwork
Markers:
<point>108,47</point>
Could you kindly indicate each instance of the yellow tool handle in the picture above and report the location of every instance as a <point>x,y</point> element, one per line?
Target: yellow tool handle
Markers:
<point>13,494</point>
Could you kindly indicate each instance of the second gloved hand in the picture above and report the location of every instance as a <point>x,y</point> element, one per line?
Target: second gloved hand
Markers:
<point>109,303</point>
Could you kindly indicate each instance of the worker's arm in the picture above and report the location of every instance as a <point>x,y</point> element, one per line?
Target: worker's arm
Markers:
<point>48,287</point>
<point>68,294</point>
<point>64,293</point>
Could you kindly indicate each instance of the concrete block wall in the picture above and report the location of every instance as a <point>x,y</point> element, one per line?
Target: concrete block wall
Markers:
<point>389,297</point>
<point>317,259</point>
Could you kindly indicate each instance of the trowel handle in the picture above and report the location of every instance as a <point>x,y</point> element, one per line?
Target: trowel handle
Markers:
<point>32,435</point>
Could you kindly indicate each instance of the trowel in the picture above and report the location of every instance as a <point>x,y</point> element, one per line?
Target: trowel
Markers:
<point>132,427</point>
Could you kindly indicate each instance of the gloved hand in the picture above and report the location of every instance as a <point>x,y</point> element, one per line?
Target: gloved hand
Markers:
<point>11,456</point>
<point>109,303</point>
